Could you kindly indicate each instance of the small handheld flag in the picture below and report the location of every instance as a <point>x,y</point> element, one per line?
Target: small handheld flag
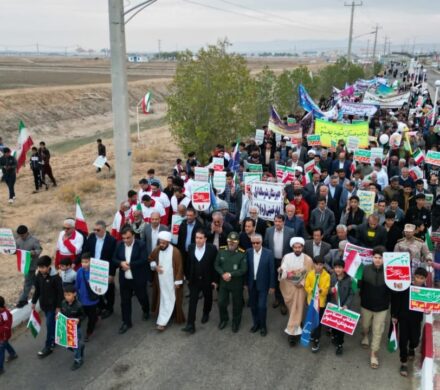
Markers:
<point>34,323</point>
<point>23,261</point>
<point>392,342</point>
<point>312,317</point>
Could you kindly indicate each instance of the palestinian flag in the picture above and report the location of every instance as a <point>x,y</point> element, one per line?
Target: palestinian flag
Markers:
<point>146,103</point>
<point>80,222</point>
<point>34,323</point>
<point>392,342</point>
<point>428,240</point>
<point>24,145</point>
<point>354,268</point>
<point>23,261</point>
<point>418,156</point>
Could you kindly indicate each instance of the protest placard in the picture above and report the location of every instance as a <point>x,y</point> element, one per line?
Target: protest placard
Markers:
<point>100,161</point>
<point>432,158</point>
<point>66,331</point>
<point>99,272</point>
<point>429,199</point>
<point>424,299</point>
<point>201,174</point>
<point>366,201</point>
<point>362,156</point>
<point>397,270</point>
<point>366,254</point>
<point>218,163</point>
<point>7,242</point>
<point>219,181</point>
<point>386,102</point>
<point>259,137</point>
<point>339,319</point>
<point>176,221</point>
<point>201,195</point>
<point>335,131</point>
<point>314,140</point>
<point>352,143</point>
<point>269,198</point>
<point>249,178</point>
<point>376,153</point>
<point>254,167</point>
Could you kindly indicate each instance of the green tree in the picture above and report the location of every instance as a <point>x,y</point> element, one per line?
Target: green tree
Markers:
<point>265,82</point>
<point>211,99</point>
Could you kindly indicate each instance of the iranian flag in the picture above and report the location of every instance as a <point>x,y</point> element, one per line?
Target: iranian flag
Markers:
<point>428,240</point>
<point>307,178</point>
<point>354,268</point>
<point>146,103</point>
<point>418,156</point>
<point>80,222</point>
<point>23,261</point>
<point>24,144</point>
<point>353,167</point>
<point>392,342</point>
<point>34,323</point>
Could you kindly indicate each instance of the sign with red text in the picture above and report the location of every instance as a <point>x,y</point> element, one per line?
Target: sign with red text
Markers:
<point>201,195</point>
<point>424,299</point>
<point>340,319</point>
<point>66,331</point>
<point>366,254</point>
<point>397,270</point>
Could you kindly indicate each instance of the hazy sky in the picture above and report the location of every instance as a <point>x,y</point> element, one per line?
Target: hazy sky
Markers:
<point>182,23</point>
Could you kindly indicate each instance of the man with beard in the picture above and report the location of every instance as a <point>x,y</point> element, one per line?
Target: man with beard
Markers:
<point>167,266</point>
<point>292,273</point>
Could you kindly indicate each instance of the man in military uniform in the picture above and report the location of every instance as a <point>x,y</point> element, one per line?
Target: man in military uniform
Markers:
<point>416,247</point>
<point>231,264</point>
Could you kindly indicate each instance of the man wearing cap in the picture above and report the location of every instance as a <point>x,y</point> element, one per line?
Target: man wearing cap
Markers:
<point>415,246</point>
<point>27,242</point>
<point>419,212</point>
<point>292,273</point>
<point>167,266</point>
<point>231,265</point>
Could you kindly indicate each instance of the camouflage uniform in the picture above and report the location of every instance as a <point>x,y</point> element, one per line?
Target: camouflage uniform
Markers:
<point>417,249</point>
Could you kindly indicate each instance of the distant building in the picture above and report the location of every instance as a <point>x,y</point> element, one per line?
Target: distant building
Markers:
<point>137,59</point>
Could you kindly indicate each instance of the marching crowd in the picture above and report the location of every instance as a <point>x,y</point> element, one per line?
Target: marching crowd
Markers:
<point>231,249</point>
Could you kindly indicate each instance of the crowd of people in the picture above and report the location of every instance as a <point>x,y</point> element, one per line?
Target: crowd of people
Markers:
<point>231,249</point>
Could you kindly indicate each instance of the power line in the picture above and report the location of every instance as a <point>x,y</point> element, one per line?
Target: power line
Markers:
<point>350,37</point>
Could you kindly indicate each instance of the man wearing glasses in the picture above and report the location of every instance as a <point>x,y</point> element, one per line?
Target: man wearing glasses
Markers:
<point>69,244</point>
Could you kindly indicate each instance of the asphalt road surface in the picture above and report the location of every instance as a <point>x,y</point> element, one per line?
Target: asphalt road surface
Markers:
<point>210,359</point>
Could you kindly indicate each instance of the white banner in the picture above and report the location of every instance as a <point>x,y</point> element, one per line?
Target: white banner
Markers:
<point>7,242</point>
<point>269,198</point>
<point>389,102</point>
<point>358,109</point>
<point>100,161</point>
<point>259,137</point>
<point>219,181</point>
<point>201,174</point>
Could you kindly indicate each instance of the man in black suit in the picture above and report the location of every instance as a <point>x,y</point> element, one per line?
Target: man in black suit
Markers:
<point>219,230</point>
<point>201,278</point>
<point>316,247</point>
<point>187,234</point>
<point>101,245</point>
<point>131,258</point>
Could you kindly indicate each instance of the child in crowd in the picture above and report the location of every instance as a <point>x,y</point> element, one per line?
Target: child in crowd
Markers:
<point>66,272</point>
<point>87,297</point>
<point>5,335</point>
<point>341,295</point>
<point>72,308</point>
<point>49,291</point>
<point>409,322</point>
<point>324,286</point>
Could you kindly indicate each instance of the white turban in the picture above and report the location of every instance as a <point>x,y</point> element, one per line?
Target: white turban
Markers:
<point>297,240</point>
<point>164,235</point>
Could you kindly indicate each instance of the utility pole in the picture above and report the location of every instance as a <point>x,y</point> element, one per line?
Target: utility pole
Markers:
<point>350,36</point>
<point>376,29</point>
<point>158,47</point>
<point>121,125</point>
<point>368,50</point>
<point>385,46</point>
<point>38,49</point>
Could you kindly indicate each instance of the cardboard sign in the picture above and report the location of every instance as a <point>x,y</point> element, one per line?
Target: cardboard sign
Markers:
<point>249,178</point>
<point>259,137</point>
<point>201,195</point>
<point>269,198</point>
<point>314,140</point>
<point>66,331</point>
<point>100,161</point>
<point>432,158</point>
<point>424,299</point>
<point>362,156</point>
<point>176,221</point>
<point>365,254</point>
<point>397,270</point>
<point>7,242</point>
<point>366,201</point>
<point>376,153</point>
<point>339,319</point>
<point>218,163</point>
<point>352,143</point>
<point>99,272</point>
<point>219,181</point>
<point>254,167</point>
<point>201,174</point>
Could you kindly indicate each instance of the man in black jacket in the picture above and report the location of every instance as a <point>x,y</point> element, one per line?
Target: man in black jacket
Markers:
<point>101,245</point>
<point>201,277</point>
<point>49,291</point>
<point>371,234</point>
<point>131,259</point>
<point>8,165</point>
<point>102,152</point>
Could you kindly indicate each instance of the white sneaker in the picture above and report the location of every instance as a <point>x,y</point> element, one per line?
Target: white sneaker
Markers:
<point>11,200</point>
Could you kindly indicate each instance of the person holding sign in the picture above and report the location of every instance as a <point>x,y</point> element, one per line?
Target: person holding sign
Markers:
<point>102,153</point>
<point>409,322</point>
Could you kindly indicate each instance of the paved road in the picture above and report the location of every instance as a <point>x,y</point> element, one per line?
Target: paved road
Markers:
<point>210,359</point>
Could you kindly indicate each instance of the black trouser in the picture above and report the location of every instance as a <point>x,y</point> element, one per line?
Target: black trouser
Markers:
<point>258,304</point>
<point>278,295</point>
<point>107,301</point>
<point>409,330</point>
<point>338,336</point>
<point>316,333</point>
<point>47,170</point>
<point>194,290</point>
<point>130,287</point>
<point>92,317</point>
<point>38,179</point>
<point>10,182</point>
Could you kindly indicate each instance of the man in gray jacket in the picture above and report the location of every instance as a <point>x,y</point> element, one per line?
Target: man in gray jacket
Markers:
<point>151,231</point>
<point>323,217</point>
<point>27,242</point>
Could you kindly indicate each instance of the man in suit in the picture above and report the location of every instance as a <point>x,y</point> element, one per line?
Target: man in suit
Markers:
<point>101,245</point>
<point>294,222</point>
<point>219,230</point>
<point>260,281</point>
<point>201,277</point>
<point>341,163</point>
<point>131,259</point>
<point>187,234</point>
<point>277,239</point>
<point>316,247</point>
<point>322,217</point>
<point>332,194</point>
<point>312,189</point>
<point>149,235</point>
